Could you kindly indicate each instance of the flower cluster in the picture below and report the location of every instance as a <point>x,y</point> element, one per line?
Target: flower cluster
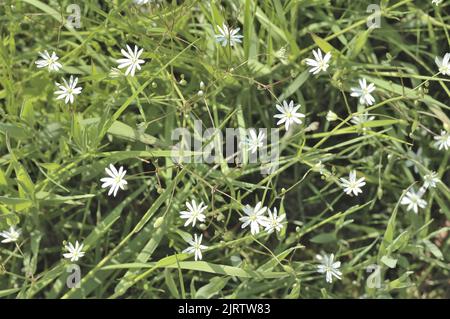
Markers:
<point>413,200</point>
<point>256,218</point>
<point>68,89</point>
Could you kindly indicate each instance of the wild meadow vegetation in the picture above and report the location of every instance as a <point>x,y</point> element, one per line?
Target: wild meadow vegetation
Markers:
<point>356,206</point>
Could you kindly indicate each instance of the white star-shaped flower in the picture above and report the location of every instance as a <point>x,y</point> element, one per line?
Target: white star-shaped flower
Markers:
<point>329,267</point>
<point>443,140</point>
<point>413,200</point>
<point>194,213</point>
<point>48,61</point>
<point>288,114</point>
<point>364,92</point>
<point>196,247</point>
<point>253,141</point>
<point>10,235</point>
<point>436,2</point>
<point>228,35</point>
<point>255,217</point>
<point>115,181</point>
<point>74,252</point>
<point>352,185</point>
<point>443,64</point>
<point>274,222</point>
<point>131,60</point>
<point>320,63</point>
<point>430,180</point>
<point>68,90</point>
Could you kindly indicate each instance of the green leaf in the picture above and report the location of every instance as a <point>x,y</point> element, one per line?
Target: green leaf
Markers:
<point>324,238</point>
<point>294,85</point>
<point>432,248</point>
<point>388,261</point>
<point>124,131</point>
<point>214,286</point>
<point>170,283</point>
<point>17,204</point>
<point>15,131</point>
<point>26,186</point>
<point>358,43</point>
<point>323,44</point>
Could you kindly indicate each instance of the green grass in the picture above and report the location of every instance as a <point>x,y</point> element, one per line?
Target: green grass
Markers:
<point>52,155</point>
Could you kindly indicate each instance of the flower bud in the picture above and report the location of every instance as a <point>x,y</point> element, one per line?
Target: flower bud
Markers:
<point>331,116</point>
<point>158,222</point>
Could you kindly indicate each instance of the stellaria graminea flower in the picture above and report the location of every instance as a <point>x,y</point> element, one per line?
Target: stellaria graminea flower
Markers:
<point>253,141</point>
<point>320,63</point>
<point>48,61</point>
<point>352,185</point>
<point>443,140</point>
<point>196,247</point>
<point>413,201</point>
<point>430,180</point>
<point>436,2</point>
<point>364,92</point>
<point>443,64</point>
<point>228,35</point>
<point>255,217</point>
<point>288,114</point>
<point>274,222</point>
<point>68,90</point>
<point>74,252</point>
<point>141,2</point>
<point>115,181</point>
<point>10,235</point>
<point>329,267</point>
<point>131,60</point>
<point>194,212</point>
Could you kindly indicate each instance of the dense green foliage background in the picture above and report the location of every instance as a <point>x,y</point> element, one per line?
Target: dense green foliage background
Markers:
<point>52,155</point>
